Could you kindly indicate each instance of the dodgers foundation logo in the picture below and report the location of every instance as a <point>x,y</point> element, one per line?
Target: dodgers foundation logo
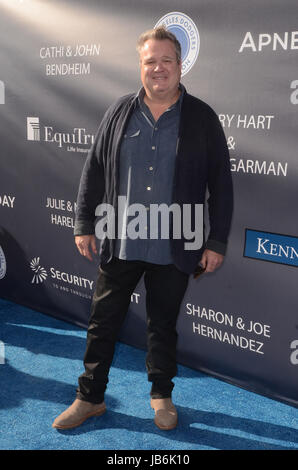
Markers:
<point>187,34</point>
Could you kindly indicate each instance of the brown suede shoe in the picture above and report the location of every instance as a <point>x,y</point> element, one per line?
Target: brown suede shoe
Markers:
<point>166,417</point>
<point>77,413</point>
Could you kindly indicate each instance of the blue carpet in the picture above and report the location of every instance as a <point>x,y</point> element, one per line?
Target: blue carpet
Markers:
<point>43,358</point>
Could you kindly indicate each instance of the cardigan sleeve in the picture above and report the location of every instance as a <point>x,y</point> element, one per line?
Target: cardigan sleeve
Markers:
<point>92,185</point>
<point>220,187</point>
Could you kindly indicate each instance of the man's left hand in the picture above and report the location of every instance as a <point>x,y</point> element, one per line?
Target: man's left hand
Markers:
<point>211,260</point>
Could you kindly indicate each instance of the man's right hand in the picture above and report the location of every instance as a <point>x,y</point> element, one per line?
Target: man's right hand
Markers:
<point>84,242</point>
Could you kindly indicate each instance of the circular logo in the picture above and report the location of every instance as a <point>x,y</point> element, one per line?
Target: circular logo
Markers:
<point>2,264</point>
<point>187,34</point>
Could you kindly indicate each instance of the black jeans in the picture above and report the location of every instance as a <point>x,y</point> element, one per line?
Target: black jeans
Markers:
<point>165,289</point>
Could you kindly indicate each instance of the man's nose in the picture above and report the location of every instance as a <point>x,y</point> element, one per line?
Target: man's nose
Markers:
<point>159,66</point>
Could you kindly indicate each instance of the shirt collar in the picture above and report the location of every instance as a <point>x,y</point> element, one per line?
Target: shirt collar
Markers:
<point>141,94</point>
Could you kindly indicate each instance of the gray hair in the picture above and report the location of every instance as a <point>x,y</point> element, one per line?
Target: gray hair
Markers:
<point>160,33</point>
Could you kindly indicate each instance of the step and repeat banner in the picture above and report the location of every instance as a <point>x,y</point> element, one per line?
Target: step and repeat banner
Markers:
<point>62,63</point>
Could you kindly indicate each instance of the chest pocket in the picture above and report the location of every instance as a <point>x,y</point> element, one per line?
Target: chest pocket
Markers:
<point>131,136</point>
<point>130,144</point>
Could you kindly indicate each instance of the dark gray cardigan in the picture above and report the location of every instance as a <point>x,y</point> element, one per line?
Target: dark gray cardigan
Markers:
<point>202,162</point>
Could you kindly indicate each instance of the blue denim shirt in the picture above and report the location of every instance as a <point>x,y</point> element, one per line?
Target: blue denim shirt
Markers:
<point>147,165</point>
<point>201,162</point>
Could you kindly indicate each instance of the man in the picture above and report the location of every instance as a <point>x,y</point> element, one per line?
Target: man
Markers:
<point>161,146</point>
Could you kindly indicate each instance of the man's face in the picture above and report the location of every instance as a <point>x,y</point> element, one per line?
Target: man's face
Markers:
<point>160,71</point>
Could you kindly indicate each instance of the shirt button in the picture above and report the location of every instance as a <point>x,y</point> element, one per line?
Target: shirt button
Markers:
<point>148,188</point>
<point>150,168</point>
<point>153,147</point>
